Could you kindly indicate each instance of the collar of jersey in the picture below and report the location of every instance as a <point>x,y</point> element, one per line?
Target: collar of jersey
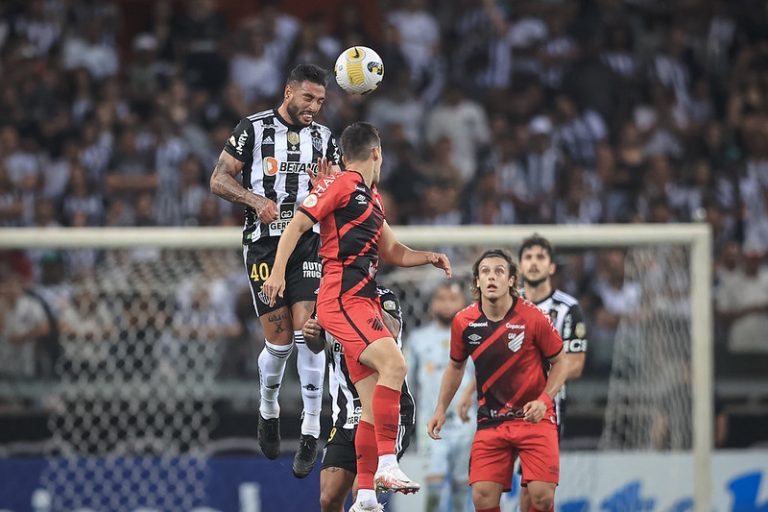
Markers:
<point>297,127</point>
<point>510,310</point>
<point>542,301</point>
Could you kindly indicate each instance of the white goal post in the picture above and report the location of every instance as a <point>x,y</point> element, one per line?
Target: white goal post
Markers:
<point>695,236</point>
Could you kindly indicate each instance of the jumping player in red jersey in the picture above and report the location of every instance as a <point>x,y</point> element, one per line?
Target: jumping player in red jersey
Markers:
<point>508,339</point>
<point>354,234</point>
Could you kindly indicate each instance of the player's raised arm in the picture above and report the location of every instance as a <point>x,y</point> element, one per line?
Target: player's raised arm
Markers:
<point>225,185</point>
<point>396,253</point>
<point>275,283</point>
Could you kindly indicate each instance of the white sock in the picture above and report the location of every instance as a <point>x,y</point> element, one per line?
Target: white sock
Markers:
<point>387,460</point>
<point>366,497</point>
<point>271,368</point>
<point>311,369</point>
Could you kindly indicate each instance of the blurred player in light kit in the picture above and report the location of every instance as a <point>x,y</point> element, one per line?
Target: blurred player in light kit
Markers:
<point>427,354</point>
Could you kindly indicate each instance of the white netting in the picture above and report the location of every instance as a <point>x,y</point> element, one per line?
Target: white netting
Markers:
<point>132,404</point>
<point>649,400</point>
<point>132,409</point>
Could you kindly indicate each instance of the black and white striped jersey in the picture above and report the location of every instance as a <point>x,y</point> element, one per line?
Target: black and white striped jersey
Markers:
<point>346,403</point>
<point>276,157</point>
<point>566,315</point>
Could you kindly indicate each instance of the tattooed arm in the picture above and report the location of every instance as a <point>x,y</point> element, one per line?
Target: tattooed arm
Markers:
<point>225,185</point>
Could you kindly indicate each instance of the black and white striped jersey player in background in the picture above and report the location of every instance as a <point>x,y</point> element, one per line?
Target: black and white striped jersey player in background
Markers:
<point>536,263</point>
<point>280,153</point>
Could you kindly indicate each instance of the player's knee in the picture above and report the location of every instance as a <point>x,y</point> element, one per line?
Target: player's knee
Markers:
<point>542,499</point>
<point>394,369</point>
<point>330,502</point>
<point>483,497</point>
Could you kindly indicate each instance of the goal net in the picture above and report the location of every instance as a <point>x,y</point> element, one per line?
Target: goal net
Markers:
<point>157,336</point>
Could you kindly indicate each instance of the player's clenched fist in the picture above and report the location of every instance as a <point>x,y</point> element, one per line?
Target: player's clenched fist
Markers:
<point>267,211</point>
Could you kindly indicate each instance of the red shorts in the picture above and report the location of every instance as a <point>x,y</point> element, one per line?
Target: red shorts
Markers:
<point>356,322</point>
<point>493,452</point>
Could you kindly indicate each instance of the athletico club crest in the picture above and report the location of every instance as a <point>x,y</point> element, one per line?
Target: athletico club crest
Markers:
<point>515,336</point>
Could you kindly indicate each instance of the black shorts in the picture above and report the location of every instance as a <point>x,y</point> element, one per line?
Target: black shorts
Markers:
<point>302,274</point>
<point>339,450</point>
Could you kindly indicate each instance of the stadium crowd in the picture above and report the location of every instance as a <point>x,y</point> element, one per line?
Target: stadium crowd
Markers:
<point>492,112</point>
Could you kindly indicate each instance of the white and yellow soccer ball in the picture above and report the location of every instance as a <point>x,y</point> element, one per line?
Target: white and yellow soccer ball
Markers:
<point>359,70</point>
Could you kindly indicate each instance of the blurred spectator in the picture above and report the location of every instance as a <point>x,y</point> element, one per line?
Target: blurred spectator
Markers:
<point>92,51</point>
<point>253,69</point>
<point>464,122</point>
<point>39,27</point>
<point>396,104</point>
<point>419,36</point>
<point>618,297</point>
<point>579,133</point>
<point>742,303</point>
<point>23,323</point>
<point>197,38</point>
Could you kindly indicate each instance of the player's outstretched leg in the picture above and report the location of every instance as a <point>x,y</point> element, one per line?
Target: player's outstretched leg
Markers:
<point>311,368</point>
<point>271,367</point>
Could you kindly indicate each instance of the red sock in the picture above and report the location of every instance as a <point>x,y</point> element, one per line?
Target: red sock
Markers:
<point>492,509</point>
<point>386,415</point>
<point>367,459</point>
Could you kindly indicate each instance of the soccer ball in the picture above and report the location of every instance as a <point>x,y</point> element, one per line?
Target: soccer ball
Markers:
<point>359,70</point>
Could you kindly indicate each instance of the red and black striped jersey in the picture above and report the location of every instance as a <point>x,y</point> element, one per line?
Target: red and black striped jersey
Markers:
<point>509,356</point>
<point>351,219</point>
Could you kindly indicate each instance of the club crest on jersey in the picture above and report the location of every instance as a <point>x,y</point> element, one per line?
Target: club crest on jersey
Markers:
<point>317,142</point>
<point>515,337</point>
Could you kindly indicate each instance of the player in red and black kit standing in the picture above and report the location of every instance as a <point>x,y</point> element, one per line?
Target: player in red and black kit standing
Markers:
<point>509,340</point>
<point>354,234</point>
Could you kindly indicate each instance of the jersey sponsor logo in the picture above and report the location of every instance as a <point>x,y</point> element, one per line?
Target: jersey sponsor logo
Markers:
<point>360,198</point>
<point>360,188</point>
<point>479,324</point>
<point>241,140</point>
<point>267,140</point>
<point>273,166</point>
<point>312,269</point>
<point>322,186</point>
<point>310,201</point>
<point>515,326</point>
<point>474,339</point>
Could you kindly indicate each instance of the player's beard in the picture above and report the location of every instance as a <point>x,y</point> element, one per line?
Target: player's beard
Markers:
<point>534,283</point>
<point>294,113</point>
<point>444,320</point>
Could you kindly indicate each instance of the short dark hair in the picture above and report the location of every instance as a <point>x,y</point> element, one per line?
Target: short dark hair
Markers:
<point>357,140</point>
<point>308,73</point>
<point>494,253</point>
<point>534,240</point>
